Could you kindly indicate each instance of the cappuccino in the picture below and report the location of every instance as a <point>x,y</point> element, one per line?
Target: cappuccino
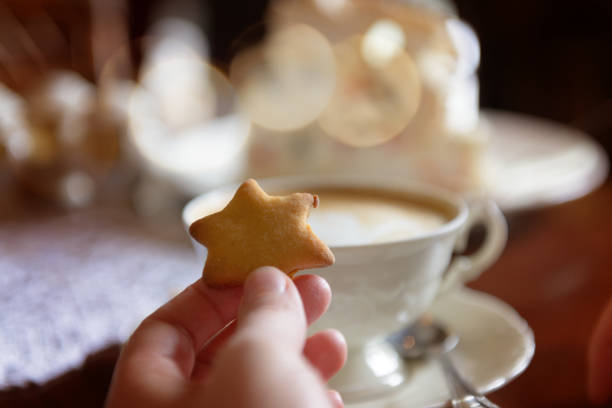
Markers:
<point>347,217</point>
<point>360,217</point>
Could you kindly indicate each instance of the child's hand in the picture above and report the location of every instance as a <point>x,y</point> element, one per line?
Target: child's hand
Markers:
<point>262,360</point>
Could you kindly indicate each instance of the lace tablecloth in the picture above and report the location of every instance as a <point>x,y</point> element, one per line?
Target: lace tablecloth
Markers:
<point>71,285</point>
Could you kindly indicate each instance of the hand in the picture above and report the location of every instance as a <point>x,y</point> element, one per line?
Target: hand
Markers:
<point>263,359</point>
<point>599,381</point>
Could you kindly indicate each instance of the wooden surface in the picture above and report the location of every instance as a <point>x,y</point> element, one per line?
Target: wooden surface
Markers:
<point>555,272</point>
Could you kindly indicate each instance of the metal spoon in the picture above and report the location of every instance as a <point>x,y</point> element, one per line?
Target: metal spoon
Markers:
<point>425,338</point>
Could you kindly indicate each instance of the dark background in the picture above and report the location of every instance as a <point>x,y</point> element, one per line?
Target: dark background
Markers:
<point>547,58</point>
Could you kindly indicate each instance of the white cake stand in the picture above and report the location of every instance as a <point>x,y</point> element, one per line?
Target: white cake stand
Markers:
<point>539,163</point>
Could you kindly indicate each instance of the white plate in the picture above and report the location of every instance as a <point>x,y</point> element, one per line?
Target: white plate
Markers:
<point>495,346</point>
<point>530,162</point>
<point>540,163</point>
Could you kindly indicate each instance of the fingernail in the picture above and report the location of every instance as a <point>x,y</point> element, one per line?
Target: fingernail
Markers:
<point>336,398</point>
<point>263,285</point>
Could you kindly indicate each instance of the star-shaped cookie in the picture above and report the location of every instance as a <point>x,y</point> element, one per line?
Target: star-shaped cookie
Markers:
<point>256,229</point>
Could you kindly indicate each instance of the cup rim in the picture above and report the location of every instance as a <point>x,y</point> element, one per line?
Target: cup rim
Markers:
<point>370,182</point>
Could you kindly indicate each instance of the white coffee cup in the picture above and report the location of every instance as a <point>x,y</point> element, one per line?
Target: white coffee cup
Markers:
<point>378,288</point>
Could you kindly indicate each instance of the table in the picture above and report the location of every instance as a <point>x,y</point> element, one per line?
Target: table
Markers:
<point>554,272</point>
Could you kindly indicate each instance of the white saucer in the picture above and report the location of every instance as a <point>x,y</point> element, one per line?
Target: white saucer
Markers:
<point>495,346</point>
<point>540,163</point>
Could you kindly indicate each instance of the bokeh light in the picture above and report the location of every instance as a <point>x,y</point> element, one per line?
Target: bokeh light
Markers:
<point>184,121</point>
<point>285,83</point>
<point>61,143</point>
<point>384,41</point>
<point>12,124</point>
<point>175,71</point>
<point>332,7</point>
<point>378,88</point>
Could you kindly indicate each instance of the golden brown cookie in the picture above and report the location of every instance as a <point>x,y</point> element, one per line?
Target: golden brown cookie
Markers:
<point>256,229</point>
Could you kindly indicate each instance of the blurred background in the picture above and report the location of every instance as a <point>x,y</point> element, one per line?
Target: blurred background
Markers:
<point>188,95</point>
<point>114,113</point>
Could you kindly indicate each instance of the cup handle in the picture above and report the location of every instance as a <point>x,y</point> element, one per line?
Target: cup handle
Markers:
<point>465,268</point>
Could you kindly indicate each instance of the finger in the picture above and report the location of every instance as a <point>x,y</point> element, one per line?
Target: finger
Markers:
<point>256,372</point>
<point>160,354</point>
<point>316,296</point>
<point>271,308</point>
<point>599,381</point>
<point>264,357</point>
<point>335,398</point>
<point>326,351</point>
<point>205,356</point>
<point>176,330</point>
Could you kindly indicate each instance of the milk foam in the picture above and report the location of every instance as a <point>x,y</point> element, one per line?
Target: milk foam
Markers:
<point>343,220</point>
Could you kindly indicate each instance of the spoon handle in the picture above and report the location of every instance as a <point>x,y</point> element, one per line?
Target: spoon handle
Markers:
<point>463,395</point>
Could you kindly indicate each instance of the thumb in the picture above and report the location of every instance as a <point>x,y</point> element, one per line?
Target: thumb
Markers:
<point>262,364</point>
<point>272,309</point>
